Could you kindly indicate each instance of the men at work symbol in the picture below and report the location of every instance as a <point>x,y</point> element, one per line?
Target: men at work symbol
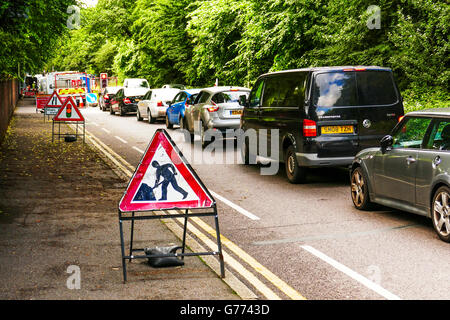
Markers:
<point>167,172</point>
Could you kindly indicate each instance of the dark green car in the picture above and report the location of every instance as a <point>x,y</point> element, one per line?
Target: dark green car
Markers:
<point>410,170</point>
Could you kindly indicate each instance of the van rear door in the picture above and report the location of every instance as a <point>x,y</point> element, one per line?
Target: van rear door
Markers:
<point>334,103</point>
<point>380,105</point>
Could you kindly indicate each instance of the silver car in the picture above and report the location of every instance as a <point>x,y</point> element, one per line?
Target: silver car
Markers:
<point>154,104</point>
<point>410,170</point>
<point>215,108</point>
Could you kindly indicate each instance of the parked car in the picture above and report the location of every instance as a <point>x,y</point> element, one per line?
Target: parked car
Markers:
<point>154,104</point>
<point>409,170</point>
<point>106,96</point>
<point>175,110</point>
<point>136,83</point>
<point>215,108</point>
<point>324,115</point>
<point>126,100</point>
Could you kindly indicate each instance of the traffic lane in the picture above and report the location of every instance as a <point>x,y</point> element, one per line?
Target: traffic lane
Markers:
<point>225,213</point>
<point>315,224</point>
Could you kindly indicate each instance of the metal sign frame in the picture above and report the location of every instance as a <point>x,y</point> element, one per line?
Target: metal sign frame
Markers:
<point>149,215</point>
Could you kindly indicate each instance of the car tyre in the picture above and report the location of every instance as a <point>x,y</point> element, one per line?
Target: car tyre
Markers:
<point>168,124</point>
<point>138,115</point>
<point>359,189</point>
<point>294,172</point>
<point>246,156</point>
<point>121,112</point>
<point>440,213</point>
<point>111,111</point>
<point>150,118</point>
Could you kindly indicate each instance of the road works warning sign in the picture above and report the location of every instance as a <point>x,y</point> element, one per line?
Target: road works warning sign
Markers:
<point>69,112</point>
<point>164,180</point>
<point>53,104</point>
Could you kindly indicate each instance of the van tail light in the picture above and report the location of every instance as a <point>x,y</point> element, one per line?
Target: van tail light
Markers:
<point>213,108</point>
<point>159,104</point>
<point>309,128</point>
<point>400,118</point>
<point>106,96</point>
<point>127,100</point>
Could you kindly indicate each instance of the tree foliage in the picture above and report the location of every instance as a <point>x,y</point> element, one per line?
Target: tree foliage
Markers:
<point>195,42</point>
<point>29,29</point>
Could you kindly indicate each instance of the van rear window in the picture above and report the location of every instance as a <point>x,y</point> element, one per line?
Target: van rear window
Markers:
<point>334,89</point>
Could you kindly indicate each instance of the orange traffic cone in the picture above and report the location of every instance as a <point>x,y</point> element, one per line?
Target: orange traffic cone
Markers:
<point>81,103</point>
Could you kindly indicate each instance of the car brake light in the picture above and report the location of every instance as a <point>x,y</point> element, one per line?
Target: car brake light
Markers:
<point>309,128</point>
<point>400,118</point>
<point>360,69</point>
<point>213,108</point>
<point>127,100</point>
<point>159,104</point>
<point>350,69</point>
<point>106,97</point>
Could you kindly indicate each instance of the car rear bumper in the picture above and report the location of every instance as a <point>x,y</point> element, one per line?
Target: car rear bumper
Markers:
<point>158,112</point>
<point>312,160</point>
<point>132,107</point>
<point>223,124</point>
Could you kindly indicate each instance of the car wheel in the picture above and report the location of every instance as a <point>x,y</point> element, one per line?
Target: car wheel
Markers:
<point>359,190</point>
<point>294,172</point>
<point>246,156</point>
<point>440,213</point>
<point>121,112</point>
<point>168,124</point>
<point>111,111</point>
<point>202,134</point>
<point>138,115</point>
<point>181,122</point>
<point>150,118</point>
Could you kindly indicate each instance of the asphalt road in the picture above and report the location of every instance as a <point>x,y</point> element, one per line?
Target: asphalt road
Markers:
<point>310,236</point>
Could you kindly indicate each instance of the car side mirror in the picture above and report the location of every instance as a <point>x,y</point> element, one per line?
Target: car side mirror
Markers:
<point>386,143</point>
<point>243,100</point>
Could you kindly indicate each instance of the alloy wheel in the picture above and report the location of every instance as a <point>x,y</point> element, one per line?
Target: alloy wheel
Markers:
<point>441,213</point>
<point>358,188</point>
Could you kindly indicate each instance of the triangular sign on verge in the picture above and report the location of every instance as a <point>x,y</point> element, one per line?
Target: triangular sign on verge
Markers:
<point>69,112</point>
<point>54,101</point>
<point>164,180</point>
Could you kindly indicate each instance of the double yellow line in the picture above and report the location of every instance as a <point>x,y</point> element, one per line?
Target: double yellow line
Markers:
<point>242,290</point>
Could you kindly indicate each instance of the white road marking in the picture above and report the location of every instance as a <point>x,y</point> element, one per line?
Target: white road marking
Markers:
<point>120,139</point>
<point>94,123</point>
<point>106,130</point>
<point>235,206</point>
<point>356,276</point>
<point>138,150</point>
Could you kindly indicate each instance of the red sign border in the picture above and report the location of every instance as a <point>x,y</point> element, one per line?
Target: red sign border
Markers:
<point>183,167</point>
<point>74,107</point>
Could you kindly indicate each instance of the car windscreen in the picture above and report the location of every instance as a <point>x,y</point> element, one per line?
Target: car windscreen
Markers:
<point>334,89</point>
<point>229,96</point>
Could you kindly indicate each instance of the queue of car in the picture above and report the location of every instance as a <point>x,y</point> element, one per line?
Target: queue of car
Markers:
<point>349,116</point>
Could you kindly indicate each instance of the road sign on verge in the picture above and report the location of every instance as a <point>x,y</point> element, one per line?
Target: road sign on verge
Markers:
<point>164,180</point>
<point>53,104</point>
<point>69,112</point>
<point>91,98</point>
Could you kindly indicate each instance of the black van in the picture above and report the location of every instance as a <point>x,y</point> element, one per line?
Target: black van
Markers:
<point>324,115</point>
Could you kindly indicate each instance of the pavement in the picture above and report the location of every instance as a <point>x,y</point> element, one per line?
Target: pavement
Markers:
<point>59,231</point>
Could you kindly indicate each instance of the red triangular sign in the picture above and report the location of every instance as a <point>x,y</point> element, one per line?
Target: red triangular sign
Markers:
<point>164,180</point>
<point>54,101</point>
<point>69,112</point>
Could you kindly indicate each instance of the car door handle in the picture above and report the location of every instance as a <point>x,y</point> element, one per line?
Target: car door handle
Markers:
<point>410,160</point>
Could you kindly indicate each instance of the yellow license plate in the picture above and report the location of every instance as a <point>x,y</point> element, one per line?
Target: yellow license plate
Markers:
<point>236,112</point>
<point>337,129</point>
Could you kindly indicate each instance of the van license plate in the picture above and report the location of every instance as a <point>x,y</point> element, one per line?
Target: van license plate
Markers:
<point>337,129</point>
<point>236,112</point>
